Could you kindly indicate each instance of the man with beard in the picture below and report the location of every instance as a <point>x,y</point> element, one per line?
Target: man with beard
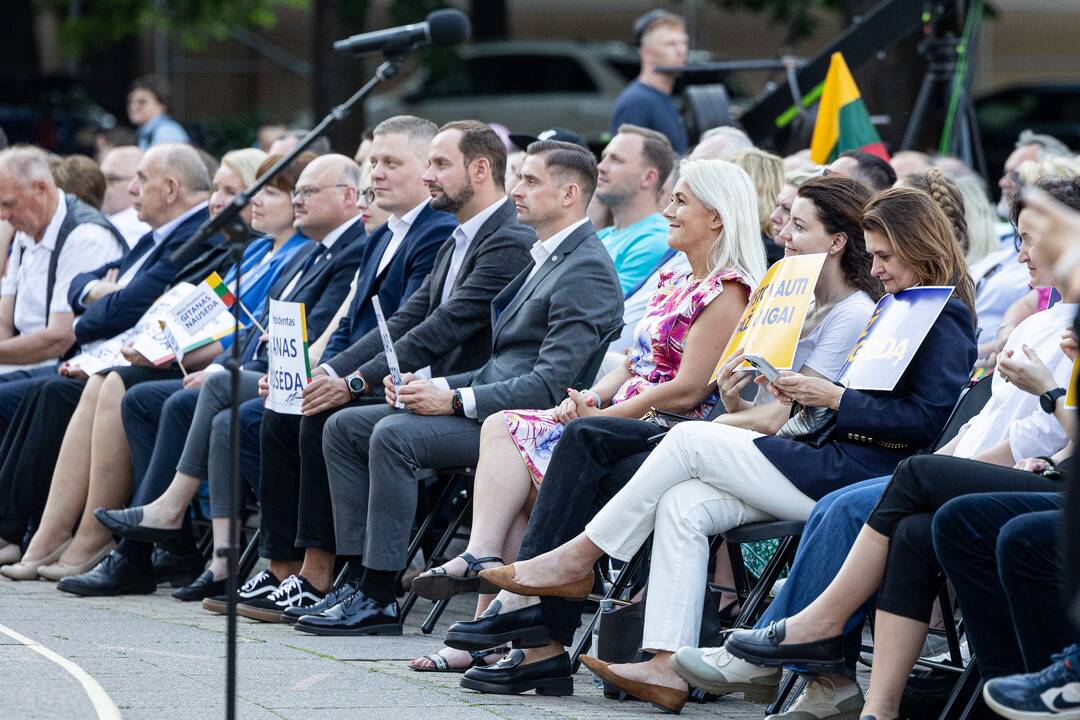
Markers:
<point>444,325</point>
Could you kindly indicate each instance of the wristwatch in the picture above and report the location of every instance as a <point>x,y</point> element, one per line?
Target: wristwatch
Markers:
<point>458,404</point>
<point>1048,400</point>
<point>355,384</point>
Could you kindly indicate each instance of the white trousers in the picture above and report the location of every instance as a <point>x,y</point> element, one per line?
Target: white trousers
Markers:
<point>703,479</point>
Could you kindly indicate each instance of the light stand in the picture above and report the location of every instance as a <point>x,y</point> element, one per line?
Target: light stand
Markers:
<point>228,222</point>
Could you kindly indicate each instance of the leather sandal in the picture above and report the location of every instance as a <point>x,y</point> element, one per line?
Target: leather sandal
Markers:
<point>440,664</point>
<point>440,585</point>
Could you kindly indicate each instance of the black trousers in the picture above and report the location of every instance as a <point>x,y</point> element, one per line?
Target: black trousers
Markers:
<point>32,442</point>
<point>29,449</point>
<point>920,486</point>
<point>1002,553</point>
<point>296,510</point>
<point>593,460</point>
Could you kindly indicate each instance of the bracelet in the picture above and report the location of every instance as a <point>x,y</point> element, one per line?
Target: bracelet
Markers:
<point>598,403</point>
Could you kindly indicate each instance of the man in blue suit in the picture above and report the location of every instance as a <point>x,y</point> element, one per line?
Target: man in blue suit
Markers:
<point>399,256</point>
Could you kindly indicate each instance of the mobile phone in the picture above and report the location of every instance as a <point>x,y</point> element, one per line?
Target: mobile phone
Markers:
<point>762,366</point>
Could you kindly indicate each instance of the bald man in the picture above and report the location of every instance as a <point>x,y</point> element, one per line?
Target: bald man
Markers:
<point>119,166</point>
<point>57,238</point>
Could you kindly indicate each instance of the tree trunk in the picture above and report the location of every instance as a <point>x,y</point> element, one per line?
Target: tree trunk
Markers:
<point>336,77</point>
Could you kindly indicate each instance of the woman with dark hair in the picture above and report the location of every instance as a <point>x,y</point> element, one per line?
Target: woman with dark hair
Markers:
<point>706,478</point>
<point>597,454</point>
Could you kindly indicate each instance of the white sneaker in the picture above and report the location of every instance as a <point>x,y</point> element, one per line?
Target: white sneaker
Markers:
<point>716,670</point>
<point>821,700</point>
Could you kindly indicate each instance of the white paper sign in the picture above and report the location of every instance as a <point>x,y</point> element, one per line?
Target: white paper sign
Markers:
<point>388,348</point>
<point>290,368</point>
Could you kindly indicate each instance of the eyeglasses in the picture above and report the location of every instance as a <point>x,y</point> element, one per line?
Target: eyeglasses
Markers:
<point>110,179</point>
<point>307,191</point>
<point>1017,240</point>
<point>368,195</point>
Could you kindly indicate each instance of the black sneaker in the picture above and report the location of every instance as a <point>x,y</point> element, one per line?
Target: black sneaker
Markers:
<point>257,587</point>
<point>342,591</point>
<point>294,591</point>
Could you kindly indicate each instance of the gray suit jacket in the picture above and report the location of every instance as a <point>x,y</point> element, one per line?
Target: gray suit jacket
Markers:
<point>454,336</point>
<point>546,330</point>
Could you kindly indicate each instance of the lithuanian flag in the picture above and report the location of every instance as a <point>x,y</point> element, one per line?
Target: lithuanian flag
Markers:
<point>220,289</point>
<point>843,122</point>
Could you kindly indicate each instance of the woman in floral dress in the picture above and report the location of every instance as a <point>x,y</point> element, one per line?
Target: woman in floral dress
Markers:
<point>712,218</point>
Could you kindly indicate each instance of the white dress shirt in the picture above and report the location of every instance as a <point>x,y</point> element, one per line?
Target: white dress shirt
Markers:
<point>463,236</point>
<point>540,251</point>
<point>1000,280</point>
<point>1014,415</point>
<point>87,247</point>
<point>129,225</point>
<point>399,228</point>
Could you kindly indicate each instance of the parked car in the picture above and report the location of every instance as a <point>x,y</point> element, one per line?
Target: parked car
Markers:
<point>528,86</point>
<point>1051,108</point>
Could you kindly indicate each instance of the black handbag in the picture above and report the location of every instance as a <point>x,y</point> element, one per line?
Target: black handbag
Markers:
<point>811,425</point>
<point>665,419</point>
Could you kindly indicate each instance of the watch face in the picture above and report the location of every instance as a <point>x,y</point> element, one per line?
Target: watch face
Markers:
<point>356,385</point>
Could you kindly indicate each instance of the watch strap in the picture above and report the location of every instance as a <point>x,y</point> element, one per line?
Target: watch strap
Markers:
<point>1048,400</point>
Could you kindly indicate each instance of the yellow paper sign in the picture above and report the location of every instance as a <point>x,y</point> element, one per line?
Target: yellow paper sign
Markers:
<point>772,322</point>
<point>1071,395</point>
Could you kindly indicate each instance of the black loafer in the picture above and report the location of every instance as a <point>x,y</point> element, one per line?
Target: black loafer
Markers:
<point>125,523</point>
<point>763,647</point>
<point>357,614</point>
<point>335,596</point>
<point>177,569</point>
<point>114,575</point>
<point>524,627</point>
<point>204,586</point>
<point>509,677</point>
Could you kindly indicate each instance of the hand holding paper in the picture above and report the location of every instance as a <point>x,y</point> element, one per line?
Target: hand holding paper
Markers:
<point>809,391</point>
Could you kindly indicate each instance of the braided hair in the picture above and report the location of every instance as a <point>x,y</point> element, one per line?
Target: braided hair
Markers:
<point>947,196</point>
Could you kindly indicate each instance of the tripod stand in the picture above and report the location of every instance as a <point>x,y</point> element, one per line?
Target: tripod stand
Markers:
<point>949,72</point>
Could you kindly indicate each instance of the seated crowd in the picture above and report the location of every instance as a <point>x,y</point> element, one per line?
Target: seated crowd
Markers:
<point>538,349</point>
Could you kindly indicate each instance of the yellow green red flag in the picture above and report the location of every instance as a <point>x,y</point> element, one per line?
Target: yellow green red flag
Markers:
<point>843,122</point>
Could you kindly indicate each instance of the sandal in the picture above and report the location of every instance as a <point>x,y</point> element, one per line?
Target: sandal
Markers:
<point>441,586</point>
<point>440,665</point>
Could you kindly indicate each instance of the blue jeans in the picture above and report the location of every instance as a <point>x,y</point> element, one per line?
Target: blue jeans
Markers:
<point>830,532</point>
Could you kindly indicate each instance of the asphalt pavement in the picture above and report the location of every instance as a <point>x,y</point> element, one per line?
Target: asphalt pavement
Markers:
<point>155,657</point>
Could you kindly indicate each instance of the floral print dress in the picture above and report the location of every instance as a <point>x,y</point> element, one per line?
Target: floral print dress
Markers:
<point>654,358</point>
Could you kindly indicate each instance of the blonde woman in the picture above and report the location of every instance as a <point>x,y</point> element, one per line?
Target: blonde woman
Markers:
<point>713,219</point>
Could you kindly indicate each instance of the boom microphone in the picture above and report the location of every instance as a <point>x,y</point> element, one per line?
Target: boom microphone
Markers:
<point>442,28</point>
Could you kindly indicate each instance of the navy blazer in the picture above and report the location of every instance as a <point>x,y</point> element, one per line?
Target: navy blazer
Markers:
<point>119,311</point>
<point>406,272</point>
<point>322,288</point>
<point>910,417</point>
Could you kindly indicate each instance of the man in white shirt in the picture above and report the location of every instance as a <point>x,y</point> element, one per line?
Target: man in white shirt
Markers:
<point>57,237</point>
<point>118,166</point>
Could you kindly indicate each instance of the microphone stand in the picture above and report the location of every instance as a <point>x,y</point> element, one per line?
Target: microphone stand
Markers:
<point>229,223</point>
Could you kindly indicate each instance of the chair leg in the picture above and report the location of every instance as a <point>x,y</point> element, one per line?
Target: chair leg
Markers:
<point>754,603</point>
<point>964,695</point>
<point>790,688</point>
<point>248,557</point>
<point>448,536</point>
<point>418,540</point>
<point>436,553</point>
<point>625,576</point>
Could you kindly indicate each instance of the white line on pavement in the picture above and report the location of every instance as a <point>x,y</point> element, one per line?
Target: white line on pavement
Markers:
<point>103,705</point>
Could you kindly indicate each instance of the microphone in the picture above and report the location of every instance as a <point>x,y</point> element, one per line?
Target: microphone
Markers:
<point>442,28</point>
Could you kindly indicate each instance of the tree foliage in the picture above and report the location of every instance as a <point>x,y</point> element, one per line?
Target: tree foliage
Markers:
<point>799,15</point>
<point>96,24</point>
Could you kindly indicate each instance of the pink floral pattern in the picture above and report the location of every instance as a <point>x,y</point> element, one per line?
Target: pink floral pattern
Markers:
<point>653,359</point>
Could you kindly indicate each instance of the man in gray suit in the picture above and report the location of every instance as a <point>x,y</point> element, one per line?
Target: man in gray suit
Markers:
<point>546,326</point>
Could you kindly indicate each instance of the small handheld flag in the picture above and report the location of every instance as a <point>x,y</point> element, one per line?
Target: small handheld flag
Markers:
<point>843,122</point>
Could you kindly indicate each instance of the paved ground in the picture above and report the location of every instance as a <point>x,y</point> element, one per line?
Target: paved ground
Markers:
<point>159,658</point>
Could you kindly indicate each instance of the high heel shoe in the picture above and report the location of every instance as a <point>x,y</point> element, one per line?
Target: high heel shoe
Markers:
<point>665,698</point>
<point>59,570</point>
<point>28,569</point>
<point>503,577</point>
